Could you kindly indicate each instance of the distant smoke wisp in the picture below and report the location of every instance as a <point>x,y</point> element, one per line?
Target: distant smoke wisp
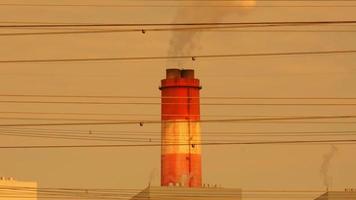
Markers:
<point>325,166</point>
<point>185,42</point>
<point>152,176</point>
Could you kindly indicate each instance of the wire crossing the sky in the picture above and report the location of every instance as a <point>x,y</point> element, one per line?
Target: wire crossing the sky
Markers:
<point>191,57</point>
<point>276,23</point>
<point>345,141</point>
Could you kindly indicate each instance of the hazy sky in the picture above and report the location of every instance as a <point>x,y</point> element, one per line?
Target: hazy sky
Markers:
<point>248,167</point>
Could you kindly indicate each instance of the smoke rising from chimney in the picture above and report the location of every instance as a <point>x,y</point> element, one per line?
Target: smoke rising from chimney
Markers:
<point>185,42</point>
<point>325,166</point>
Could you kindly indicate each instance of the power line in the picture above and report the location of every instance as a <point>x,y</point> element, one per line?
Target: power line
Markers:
<point>173,6</point>
<point>281,31</point>
<point>61,119</point>
<point>238,0</point>
<point>158,104</point>
<point>192,57</point>
<point>142,123</point>
<point>155,133</point>
<point>125,30</point>
<point>224,119</point>
<point>90,136</point>
<point>276,23</point>
<point>155,116</point>
<point>93,193</point>
<point>235,0</point>
<point>131,122</point>
<point>123,114</point>
<point>131,190</point>
<point>175,97</point>
<point>334,23</point>
<point>73,189</point>
<point>144,31</point>
<point>87,194</point>
<point>83,114</point>
<point>202,144</point>
<point>75,137</point>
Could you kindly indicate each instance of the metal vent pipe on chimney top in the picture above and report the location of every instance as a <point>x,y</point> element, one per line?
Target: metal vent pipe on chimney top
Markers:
<point>180,154</point>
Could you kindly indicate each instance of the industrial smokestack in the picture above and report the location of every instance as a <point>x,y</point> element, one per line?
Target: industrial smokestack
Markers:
<point>180,154</point>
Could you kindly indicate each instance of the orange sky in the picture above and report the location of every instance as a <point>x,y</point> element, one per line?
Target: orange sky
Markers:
<point>248,167</point>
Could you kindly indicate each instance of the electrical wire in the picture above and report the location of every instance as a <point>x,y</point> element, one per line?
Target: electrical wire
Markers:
<point>213,191</point>
<point>72,114</point>
<point>172,5</point>
<point>143,122</point>
<point>155,133</point>
<point>201,24</point>
<point>345,141</point>
<point>192,27</point>
<point>125,114</point>
<point>90,136</point>
<point>122,30</point>
<point>196,29</point>
<point>175,97</point>
<point>205,120</point>
<point>159,104</point>
<point>192,57</point>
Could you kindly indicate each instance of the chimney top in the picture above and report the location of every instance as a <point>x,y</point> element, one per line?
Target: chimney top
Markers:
<point>187,73</point>
<point>180,73</point>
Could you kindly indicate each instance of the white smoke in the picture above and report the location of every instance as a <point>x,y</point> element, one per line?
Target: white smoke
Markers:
<point>185,179</point>
<point>185,42</point>
<point>325,166</point>
<point>153,175</point>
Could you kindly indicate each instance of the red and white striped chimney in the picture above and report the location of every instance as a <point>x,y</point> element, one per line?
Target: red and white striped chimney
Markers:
<point>180,154</point>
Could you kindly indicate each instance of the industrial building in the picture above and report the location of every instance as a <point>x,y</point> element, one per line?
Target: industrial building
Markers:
<point>188,193</point>
<point>333,195</point>
<point>17,190</point>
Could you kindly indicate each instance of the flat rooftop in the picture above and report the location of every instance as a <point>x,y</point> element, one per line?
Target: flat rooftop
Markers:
<point>186,193</point>
<point>338,195</point>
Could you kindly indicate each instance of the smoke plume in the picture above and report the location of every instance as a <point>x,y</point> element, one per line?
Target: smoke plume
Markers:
<point>185,42</point>
<point>325,166</point>
<point>185,179</point>
<point>153,176</point>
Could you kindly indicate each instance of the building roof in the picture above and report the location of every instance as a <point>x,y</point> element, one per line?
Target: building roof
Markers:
<point>341,195</point>
<point>185,193</point>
